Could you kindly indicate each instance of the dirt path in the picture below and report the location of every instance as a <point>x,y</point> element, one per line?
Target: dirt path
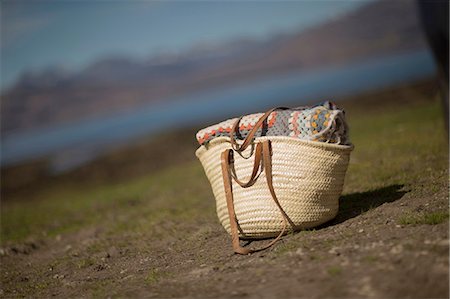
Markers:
<point>362,254</point>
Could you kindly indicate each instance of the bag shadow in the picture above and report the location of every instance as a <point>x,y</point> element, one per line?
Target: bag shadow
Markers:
<point>354,204</point>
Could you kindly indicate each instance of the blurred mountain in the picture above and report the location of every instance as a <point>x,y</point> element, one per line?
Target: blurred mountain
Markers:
<point>118,84</point>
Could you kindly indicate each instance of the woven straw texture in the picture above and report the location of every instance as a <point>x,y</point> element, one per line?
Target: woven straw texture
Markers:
<point>308,178</point>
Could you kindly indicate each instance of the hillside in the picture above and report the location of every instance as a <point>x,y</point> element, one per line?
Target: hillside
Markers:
<point>139,230</point>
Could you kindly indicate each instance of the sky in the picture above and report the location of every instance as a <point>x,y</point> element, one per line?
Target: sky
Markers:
<point>72,34</point>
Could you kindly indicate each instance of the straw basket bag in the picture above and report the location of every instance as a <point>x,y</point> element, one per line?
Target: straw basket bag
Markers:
<point>269,185</point>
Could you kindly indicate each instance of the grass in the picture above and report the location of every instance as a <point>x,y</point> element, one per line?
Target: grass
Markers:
<point>370,259</point>
<point>84,263</point>
<point>62,210</point>
<point>155,275</point>
<point>431,218</point>
<point>334,270</point>
<point>398,149</point>
<point>284,248</point>
<point>394,148</point>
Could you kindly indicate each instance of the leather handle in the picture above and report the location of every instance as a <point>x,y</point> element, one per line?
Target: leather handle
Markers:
<point>256,166</point>
<point>247,141</point>
<point>227,176</point>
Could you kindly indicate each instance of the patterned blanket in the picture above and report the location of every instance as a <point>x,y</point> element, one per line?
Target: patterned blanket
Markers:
<point>324,123</point>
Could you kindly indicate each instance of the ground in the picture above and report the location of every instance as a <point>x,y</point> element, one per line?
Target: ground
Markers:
<point>157,234</point>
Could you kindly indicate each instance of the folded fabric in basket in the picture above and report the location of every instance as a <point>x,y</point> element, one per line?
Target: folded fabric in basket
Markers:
<point>324,123</point>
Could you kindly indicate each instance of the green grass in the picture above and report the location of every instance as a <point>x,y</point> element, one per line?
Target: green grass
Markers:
<point>400,149</point>
<point>171,194</point>
<point>403,146</point>
<point>155,276</point>
<point>284,248</point>
<point>334,270</point>
<point>432,218</point>
<point>84,263</point>
<point>370,259</point>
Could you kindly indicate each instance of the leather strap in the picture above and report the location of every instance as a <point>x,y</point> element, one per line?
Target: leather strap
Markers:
<point>267,160</point>
<point>229,196</point>
<point>230,203</point>
<point>256,166</point>
<point>263,155</point>
<point>247,141</point>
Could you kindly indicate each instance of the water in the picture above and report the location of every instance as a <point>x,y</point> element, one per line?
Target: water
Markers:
<point>95,135</point>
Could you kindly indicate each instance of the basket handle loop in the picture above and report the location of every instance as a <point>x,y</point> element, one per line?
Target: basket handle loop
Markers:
<point>226,160</point>
<point>256,166</point>
<point>249,139</point>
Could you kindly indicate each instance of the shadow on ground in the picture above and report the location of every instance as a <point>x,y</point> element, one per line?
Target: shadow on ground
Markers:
<point>354,204</point>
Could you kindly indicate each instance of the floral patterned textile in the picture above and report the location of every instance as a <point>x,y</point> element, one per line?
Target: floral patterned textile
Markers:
<point>324,123</point>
